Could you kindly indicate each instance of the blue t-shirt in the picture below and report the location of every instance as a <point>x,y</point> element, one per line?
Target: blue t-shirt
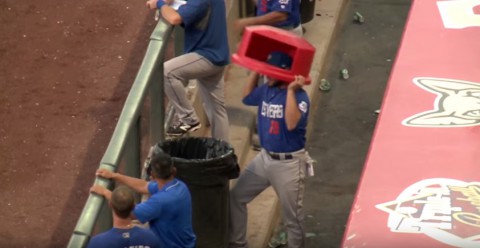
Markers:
<point>208,39</point>
<point>292,7</point>
<point>125,238</point>
<point>169,213</point>
<point>272,129</point>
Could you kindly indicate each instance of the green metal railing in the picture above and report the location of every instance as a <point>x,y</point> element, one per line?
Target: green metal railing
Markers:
<point>125,143</point>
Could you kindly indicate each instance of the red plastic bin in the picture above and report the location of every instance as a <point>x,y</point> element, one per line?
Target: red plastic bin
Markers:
<point>259,41</point>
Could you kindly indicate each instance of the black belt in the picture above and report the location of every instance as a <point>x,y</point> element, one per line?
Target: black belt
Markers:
<point>280,156</point>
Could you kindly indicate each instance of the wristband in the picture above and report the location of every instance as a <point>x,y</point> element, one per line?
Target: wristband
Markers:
<point>160,3</point>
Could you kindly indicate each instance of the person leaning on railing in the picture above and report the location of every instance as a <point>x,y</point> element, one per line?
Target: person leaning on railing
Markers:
<point>169,208</point>
<point>206,53</point>
<point>123,233</point>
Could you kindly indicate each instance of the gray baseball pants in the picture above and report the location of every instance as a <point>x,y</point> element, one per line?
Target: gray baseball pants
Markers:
<point>287,177</point>
<point>178,71</point>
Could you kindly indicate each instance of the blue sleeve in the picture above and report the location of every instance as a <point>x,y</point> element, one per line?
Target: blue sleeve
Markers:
<point>147,210</point>
<point>303,103</point>
<point>193,11</point>
<point>282,6</point>
<point>152,187</point>
<point>255,97</point>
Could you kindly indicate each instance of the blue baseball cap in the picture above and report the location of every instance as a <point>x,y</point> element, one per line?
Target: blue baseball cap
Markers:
<point>280,59</point>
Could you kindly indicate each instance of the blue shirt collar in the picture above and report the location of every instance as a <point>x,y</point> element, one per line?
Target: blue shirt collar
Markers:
<point>170,185</point>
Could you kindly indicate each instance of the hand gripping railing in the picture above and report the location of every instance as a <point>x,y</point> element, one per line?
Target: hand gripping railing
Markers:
<point>126,134</point>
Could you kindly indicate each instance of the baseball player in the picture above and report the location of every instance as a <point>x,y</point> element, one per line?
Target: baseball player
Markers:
<point>168,210</point>
<point>282,162</point>
<point>123,233</point>
<point>284,14</point>
<point>206,53</point>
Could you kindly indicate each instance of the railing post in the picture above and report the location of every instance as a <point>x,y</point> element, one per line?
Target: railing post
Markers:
<point>246,8</point>
<point>157,95</point>
<point>179,38</point>
<point>132,152</point>
<point>157,109</point>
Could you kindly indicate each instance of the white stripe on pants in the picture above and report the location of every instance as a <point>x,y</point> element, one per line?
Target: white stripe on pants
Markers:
<point>287,177</point>
<point>178,71</point>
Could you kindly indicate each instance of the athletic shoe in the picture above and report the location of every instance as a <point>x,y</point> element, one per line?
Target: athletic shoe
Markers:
<point>182,128</point>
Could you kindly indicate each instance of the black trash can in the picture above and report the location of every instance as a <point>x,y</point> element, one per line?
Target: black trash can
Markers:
<point>307,10</point>
<point>206,165</point>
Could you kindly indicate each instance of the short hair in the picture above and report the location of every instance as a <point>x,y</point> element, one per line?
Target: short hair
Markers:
<point>122,201</point>
<point>161,165</point>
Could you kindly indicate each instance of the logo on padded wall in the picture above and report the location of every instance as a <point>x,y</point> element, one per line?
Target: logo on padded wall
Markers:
<point>457,104</point>
<point>446,210</point>
<point>460,13</point>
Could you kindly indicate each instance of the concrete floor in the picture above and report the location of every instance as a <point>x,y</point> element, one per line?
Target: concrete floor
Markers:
<point>344,117</point>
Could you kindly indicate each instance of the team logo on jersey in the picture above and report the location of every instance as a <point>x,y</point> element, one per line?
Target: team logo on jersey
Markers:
<point>303,106</point>
<point>283,2</point>
<point>273,111</point>
<point>460,13</point>
<point>457,104</point>
<point>446,210</point>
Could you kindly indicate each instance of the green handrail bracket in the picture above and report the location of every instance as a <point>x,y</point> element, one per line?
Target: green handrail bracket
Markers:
<point>147,79</point>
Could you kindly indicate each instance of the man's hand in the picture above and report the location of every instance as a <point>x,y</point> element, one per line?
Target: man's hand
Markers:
<point>97,189</point>
<point>239,25</point>
<point>292,111</point>
<point>298,83</point>
<point>105,173</point>
<point>152,4</point>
